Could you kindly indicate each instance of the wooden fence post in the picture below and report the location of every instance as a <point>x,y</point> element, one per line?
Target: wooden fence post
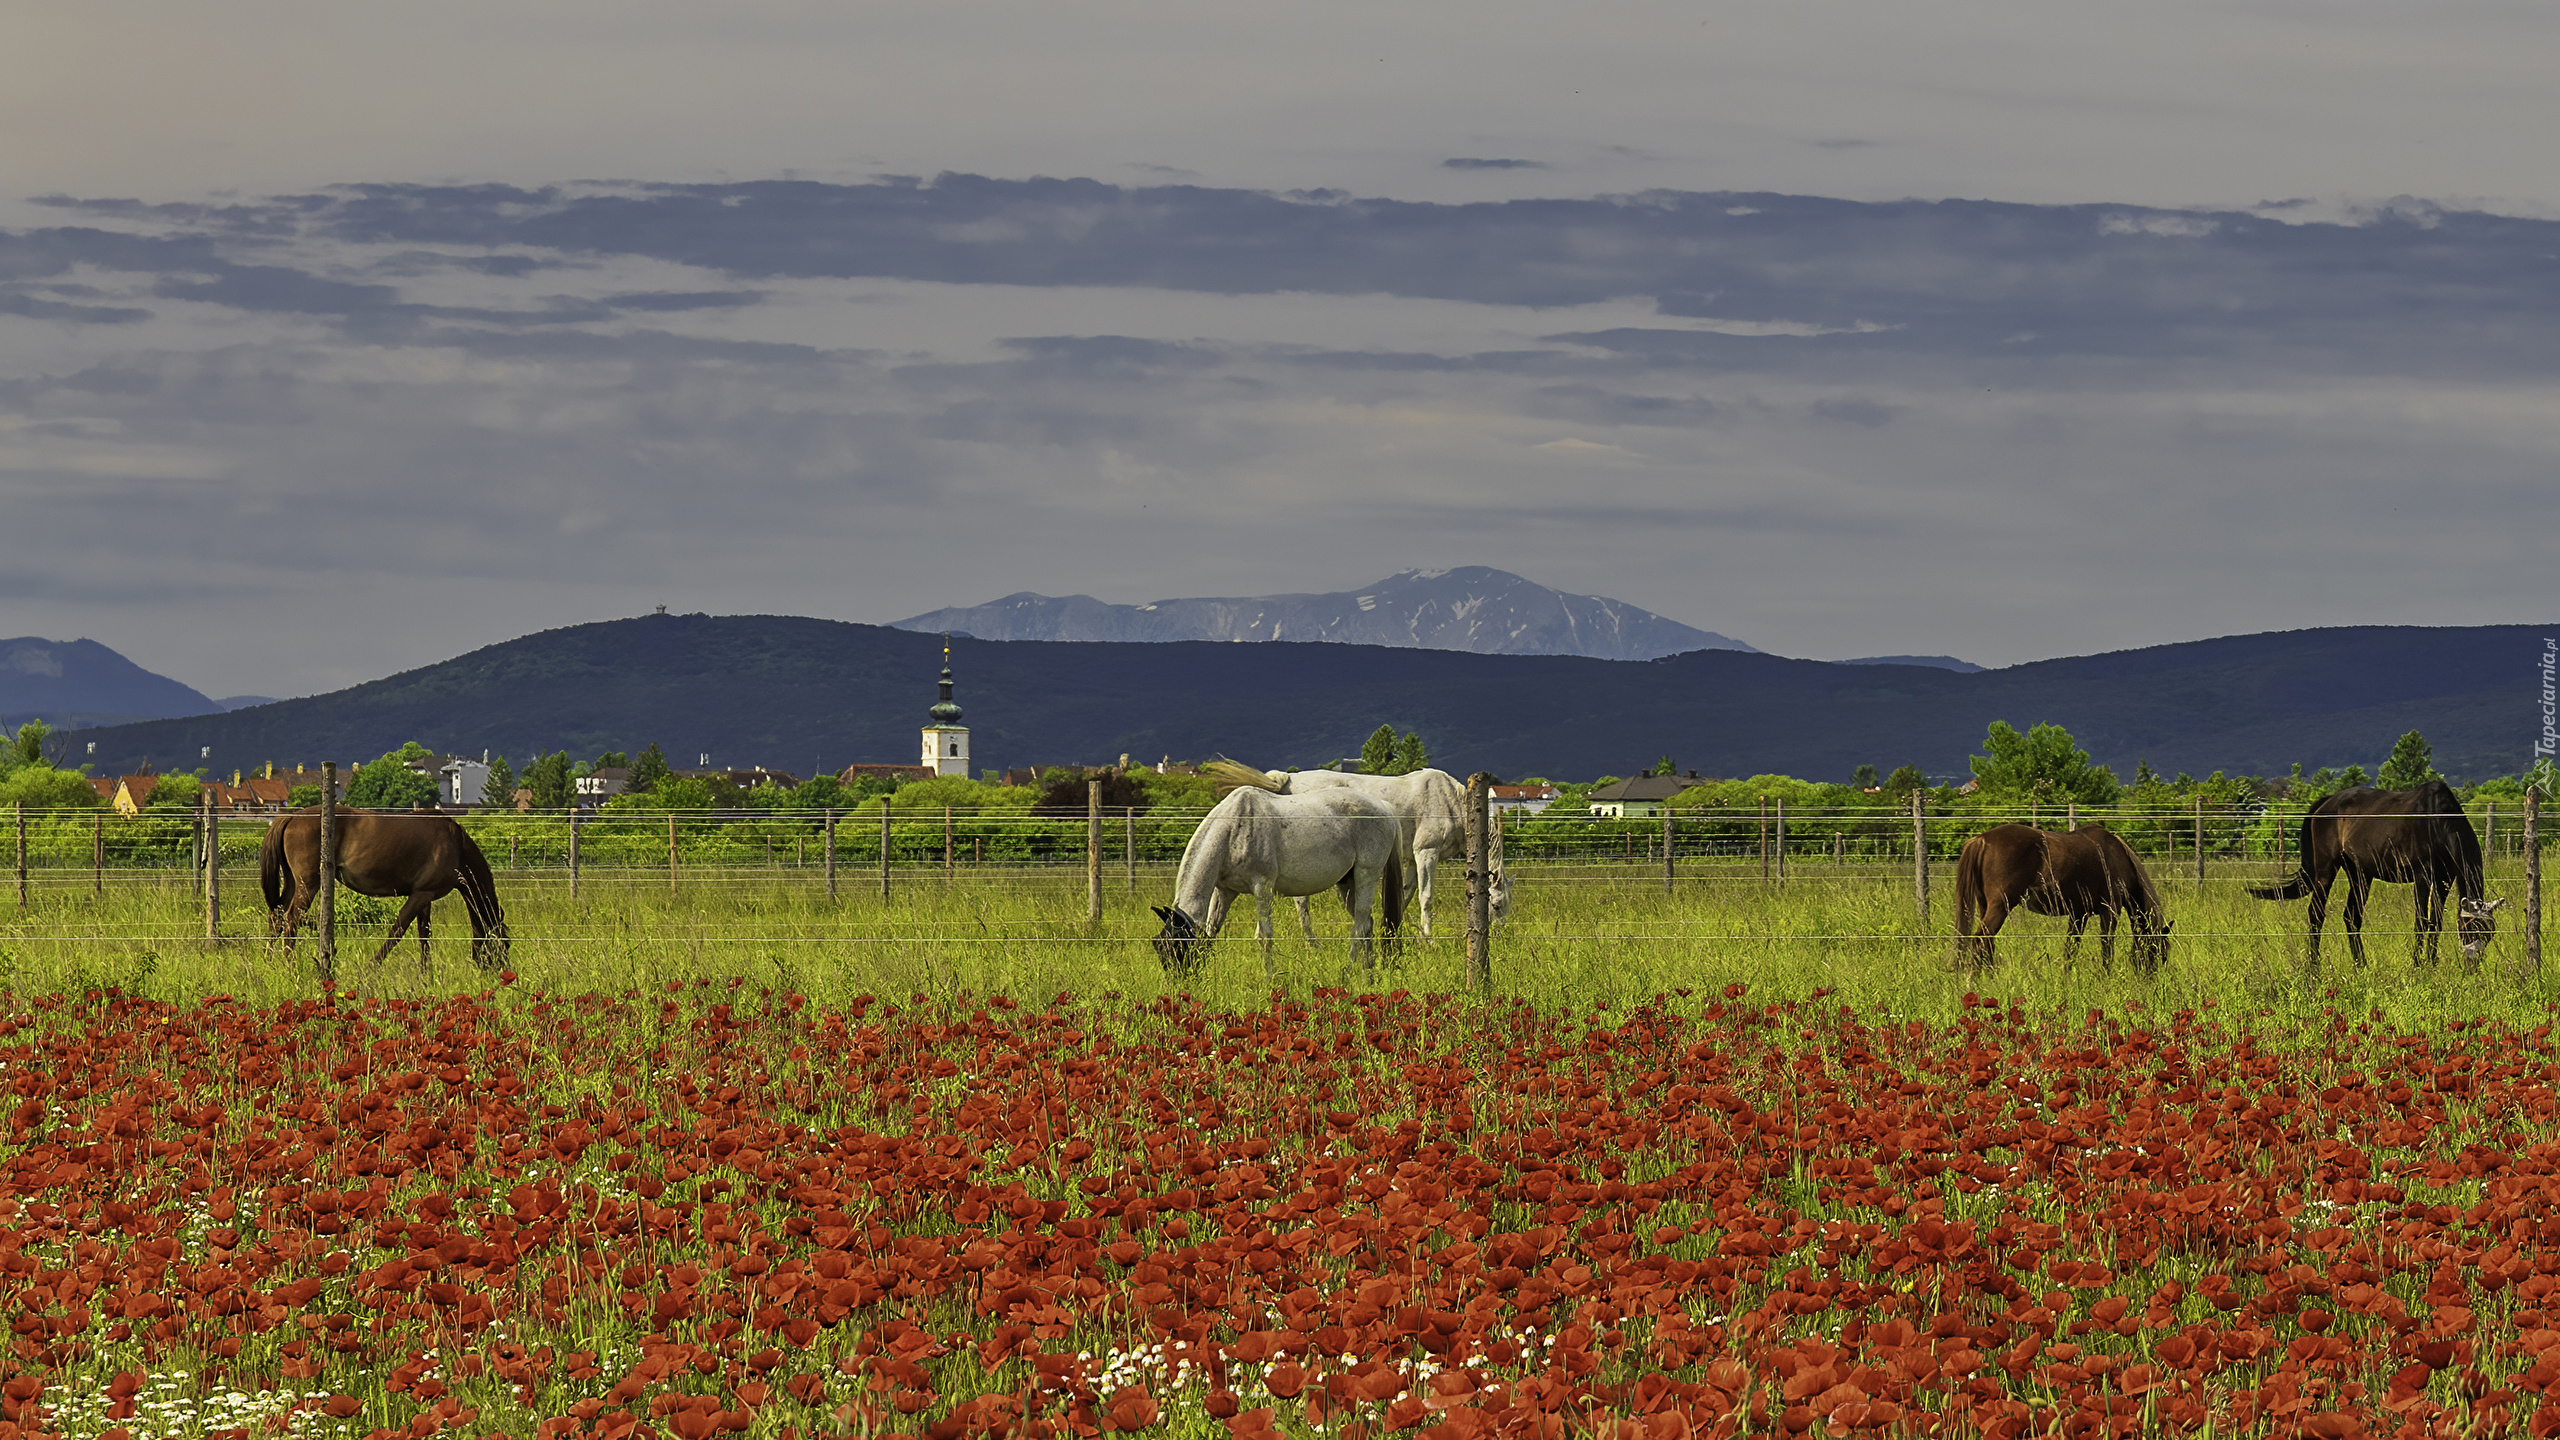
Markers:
<point>1839,847</point>
<point>1479,880</point>
<point>2533,877</point>
<point>2071,816</point>
<point>1764,837</point>
<point>2199,842</point>
<point>22,854</point>
<point>1670,850</point>
<point>329,878</point>
<point>671,852</point>
<point>212,866</point>
<point>1920,854</point>
<point>1782,837</point>
<point>98,855</point>
<point>573,852</point>
<point>884,849</point>
<point>1093,852</point>
<point>2489,842</point>
<point>831,856</point>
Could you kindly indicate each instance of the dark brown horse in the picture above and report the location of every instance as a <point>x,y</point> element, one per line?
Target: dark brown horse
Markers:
<point>2073,873</point>
<point>419,857</point>
<point>2407,837</point>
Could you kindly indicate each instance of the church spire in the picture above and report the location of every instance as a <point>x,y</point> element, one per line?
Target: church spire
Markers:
<point>946,711</point>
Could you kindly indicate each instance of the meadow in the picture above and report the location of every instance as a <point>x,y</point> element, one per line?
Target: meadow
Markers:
<point>1751,1158</point>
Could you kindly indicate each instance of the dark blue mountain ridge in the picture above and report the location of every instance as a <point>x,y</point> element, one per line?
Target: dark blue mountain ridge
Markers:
<point>795,694</point>
<point>72,683</point>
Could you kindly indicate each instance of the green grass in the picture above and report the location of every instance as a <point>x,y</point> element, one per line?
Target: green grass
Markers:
<point>1581,936</point>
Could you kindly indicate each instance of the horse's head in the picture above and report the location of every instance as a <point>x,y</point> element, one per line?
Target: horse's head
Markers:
<point>2151,940</point>
<point>1179,943</point>
<point>1500,895</point>
<point>2476,920</point>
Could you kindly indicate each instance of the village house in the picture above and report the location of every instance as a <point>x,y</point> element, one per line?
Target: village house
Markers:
<point>1527,799</point>
<point>1643,795</point>
<point>899,773</point>
<point>597,786</point>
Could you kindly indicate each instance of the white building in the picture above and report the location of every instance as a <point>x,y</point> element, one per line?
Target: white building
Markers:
<point>461,782</point>
<point>946,740</point>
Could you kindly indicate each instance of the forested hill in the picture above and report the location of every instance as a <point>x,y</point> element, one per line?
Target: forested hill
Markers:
<point>799,694</point>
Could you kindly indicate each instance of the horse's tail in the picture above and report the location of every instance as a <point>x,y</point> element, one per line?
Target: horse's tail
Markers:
<point>1227,775</point>
<point>275,872</point>
<point>2298,884</point>
<point>1969,884</point>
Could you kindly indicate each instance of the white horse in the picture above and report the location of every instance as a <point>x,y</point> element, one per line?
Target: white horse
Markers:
<point>1260,844</point>
<point>1431,805</point>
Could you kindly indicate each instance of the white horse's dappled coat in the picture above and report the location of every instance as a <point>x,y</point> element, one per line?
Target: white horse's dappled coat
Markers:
<point>1260,844</point>
<point>1430,805</point>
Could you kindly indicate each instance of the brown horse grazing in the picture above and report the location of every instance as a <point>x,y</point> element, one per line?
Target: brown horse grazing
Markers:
<point>420,857</point>
<point>2074,873</point>
<point>2407,837</point>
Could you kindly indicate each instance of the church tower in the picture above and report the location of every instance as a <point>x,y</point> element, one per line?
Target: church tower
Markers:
<point>946,740</point>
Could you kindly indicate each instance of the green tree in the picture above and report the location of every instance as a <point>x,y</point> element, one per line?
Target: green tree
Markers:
<point>1378,752</point>
<point>2042,764</point>
<point>1664,766</point>
<point>1411,754</point>
<point>42,787</point>
<point>176,790</point>
<point>498,791</point>
<point>388,783</point>
<point>548,779</point>
<point>1865,778</point>
<point>2412,764</point>
<point>302,797</point>
<point>611,760</point>
<point>1904,780</point>
<point>27,748</point>
<point>649,771</point>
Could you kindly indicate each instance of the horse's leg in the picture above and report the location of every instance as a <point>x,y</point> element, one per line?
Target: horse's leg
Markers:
<point>2428,900</point>
<point>1306,918</point>
<point>2072,929</point>
<point>294,904</point>
<point>1424,863</point>
<point>409,914</point>
<point>2319,911</point>
<point>1262,925</point>
<point>1995,913</point>
<point>2357,885</point>
<point>1360,896</point>
<point>426,913</point>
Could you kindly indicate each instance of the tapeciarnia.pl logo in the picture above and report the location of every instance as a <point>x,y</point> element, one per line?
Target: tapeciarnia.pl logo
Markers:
<point>2550,740</point>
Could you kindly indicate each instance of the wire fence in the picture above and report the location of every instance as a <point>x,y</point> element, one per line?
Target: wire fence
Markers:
<point>717,842</point>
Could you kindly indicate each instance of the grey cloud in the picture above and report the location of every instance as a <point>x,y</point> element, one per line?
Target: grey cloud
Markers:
<point>1461,162</point>
<point>1855,410</point>
<point>1846,144</point>
<point>1591,403</point>
<point>14,302</point>
<point>663,300</point>
<point>2459,290</point>
<point>276,288</point>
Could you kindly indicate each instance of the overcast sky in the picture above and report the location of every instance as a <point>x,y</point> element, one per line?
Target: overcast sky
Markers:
<point>336,340</point>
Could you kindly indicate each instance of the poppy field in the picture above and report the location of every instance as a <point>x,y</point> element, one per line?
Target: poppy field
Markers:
<point>718,1208</point>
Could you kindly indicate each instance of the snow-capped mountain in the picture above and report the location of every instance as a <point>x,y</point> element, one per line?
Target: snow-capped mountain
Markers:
<point>1474,608</point>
